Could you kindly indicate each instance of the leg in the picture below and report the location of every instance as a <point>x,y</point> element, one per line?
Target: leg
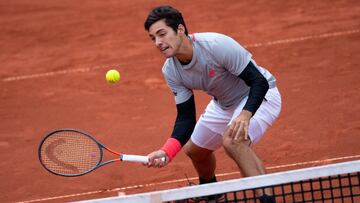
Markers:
<point>246,159</point>
<point>244,156</point>
<point>205,163</point>
<point>203,160</point>
<point>200,150</point>
<point>240,150</point>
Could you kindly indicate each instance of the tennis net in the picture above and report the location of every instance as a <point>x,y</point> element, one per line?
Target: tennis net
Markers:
<point>338,182</point>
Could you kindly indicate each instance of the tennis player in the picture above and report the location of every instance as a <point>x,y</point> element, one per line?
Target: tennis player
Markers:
<point>245,100</point>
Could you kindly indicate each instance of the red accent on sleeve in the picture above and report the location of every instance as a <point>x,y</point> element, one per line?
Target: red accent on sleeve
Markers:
<point>193,37</point>
<point>172,146</point>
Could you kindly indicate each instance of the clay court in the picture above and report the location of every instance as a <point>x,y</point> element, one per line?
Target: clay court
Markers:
<point>54,56</point>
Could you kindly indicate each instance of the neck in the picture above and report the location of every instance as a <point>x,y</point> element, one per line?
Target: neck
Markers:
<point>185,52</point>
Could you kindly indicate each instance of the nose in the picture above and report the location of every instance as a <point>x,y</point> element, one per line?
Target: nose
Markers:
<point>158,42</point>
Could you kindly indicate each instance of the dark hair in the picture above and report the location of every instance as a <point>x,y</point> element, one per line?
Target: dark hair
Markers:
<point>173,18</point>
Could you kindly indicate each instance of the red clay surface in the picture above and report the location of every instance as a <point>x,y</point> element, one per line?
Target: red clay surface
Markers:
<point>318,78</point>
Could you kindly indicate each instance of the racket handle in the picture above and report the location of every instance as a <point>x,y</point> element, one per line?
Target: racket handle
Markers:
<point>136,158</point>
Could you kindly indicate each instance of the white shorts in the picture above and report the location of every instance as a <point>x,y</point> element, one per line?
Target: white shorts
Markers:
<point>213,122</point>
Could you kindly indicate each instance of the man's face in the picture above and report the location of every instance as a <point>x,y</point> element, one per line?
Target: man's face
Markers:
<point>165,38</point>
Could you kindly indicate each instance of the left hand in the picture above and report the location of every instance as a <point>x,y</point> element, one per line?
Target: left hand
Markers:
<point>239,127</point>
<point>155,159</point>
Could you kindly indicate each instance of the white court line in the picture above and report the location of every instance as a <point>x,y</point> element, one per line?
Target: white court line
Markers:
<point>325,161</point>
<point>299,39</point>
<point>275,42</point>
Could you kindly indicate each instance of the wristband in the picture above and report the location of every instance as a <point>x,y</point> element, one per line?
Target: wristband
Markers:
<point>171,147</point>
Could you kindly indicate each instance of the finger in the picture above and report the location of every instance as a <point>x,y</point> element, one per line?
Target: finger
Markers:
<point>240,131</point>
<point>234,130</point>
<point>246,130</point>
<point>153,164</point>
<point>228,131</point>
<point>150,164</point>
<point>151,161</point>
<point>163,161</point>
<point>231,129</point>
<point>159,163</point>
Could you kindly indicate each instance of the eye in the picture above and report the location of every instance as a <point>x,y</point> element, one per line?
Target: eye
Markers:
<point>162,34</point>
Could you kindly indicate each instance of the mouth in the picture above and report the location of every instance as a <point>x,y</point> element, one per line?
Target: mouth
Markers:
<point>163,49</point>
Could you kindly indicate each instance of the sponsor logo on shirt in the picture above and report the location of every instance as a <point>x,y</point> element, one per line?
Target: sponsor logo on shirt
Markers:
<point>212,73</point>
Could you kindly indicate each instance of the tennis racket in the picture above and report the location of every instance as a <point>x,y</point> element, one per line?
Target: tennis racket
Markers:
<point>70,152</point>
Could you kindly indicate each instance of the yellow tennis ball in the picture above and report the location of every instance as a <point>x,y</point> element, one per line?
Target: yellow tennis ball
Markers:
<point>112,76</point>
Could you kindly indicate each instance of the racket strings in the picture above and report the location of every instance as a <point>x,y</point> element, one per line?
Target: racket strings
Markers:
<point>69,153</point>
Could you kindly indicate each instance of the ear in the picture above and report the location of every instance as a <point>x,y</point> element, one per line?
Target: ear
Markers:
<point>181,29</point>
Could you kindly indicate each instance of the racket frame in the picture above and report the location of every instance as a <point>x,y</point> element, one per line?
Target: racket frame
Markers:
<point>134,158</point>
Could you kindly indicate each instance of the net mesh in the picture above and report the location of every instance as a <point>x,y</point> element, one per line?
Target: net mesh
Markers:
<point>339,188</point>
<point>69,153</point>
<point>331,183</point>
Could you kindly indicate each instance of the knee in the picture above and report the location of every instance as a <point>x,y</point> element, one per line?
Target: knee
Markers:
<point>187,150</point>
<point>231,145</point>
<point>195,154</point>
<point>238,146</point>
